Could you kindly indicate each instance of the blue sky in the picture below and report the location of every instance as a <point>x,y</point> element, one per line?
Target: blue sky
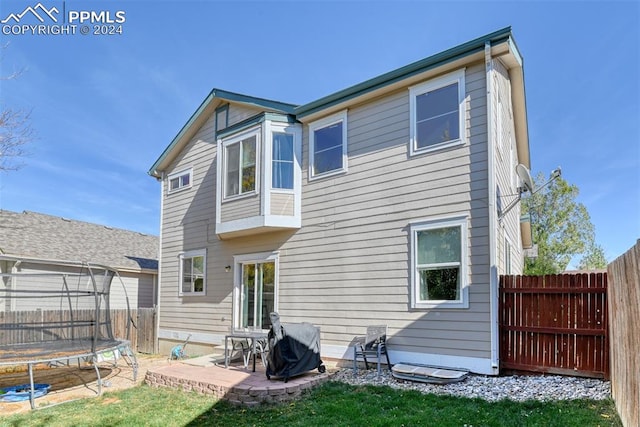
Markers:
<point>105,106</point>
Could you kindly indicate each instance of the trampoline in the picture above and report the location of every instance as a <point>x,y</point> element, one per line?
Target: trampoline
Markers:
<point>63,317</point>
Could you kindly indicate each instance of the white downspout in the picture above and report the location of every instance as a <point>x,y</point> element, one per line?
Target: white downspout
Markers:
<point>156,344</point>
<point>493,223</point>
<point>14,284</point>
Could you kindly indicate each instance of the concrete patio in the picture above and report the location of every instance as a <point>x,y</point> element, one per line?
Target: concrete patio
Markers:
<point>235,384</point>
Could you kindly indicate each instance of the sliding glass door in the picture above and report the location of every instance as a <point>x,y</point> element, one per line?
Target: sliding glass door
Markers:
<point>256,294</point>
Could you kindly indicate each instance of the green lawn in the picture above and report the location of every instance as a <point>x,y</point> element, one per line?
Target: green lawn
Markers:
<point>332,404</point>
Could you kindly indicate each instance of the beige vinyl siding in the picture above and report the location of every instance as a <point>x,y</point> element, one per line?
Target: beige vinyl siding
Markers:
<point>187,216</point>
<point>348,267</point>
<point>139,288</point>
<point>282,204</point>
<point>504,139</point>
<point>139,291</point>
<point>238,113</point>
<point>245,207</point>
<point>50,282</point>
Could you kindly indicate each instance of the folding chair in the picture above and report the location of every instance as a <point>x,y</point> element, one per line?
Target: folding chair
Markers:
<point>373,345</point>
<point>243,346</point>
<point>262,347</point>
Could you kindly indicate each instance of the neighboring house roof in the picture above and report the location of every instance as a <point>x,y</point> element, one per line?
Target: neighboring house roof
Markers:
<point>206,108</point>
<point>501,43</point>
<point>41,237</point>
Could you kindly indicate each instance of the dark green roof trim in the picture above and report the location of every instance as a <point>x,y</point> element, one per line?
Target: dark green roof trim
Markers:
<point>437,60</point>
<point>254,120</point>
<point>268,104</point>
<point>228,96</point>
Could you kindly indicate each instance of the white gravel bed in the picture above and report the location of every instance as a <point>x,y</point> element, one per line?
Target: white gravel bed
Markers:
<point>514,387</point>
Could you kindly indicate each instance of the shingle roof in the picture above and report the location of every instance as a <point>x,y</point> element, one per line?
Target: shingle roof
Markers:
<point>46,237</point>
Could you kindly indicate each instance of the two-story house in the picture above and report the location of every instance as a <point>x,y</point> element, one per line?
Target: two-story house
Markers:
<point>380,203</point>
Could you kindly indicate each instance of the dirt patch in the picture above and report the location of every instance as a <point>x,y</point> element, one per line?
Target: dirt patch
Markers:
<point>73,382</point>
<point>110,400</point>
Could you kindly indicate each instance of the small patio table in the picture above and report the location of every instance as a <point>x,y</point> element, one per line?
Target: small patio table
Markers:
<point>253,335</point>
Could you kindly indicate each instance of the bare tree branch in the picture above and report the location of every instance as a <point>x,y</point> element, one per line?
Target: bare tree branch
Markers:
<point>15,130</point>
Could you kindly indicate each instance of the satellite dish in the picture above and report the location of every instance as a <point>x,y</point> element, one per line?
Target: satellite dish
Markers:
<point>525,177</point>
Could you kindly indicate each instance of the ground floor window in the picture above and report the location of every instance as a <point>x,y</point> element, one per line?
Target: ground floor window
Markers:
<point>193,272</point>
<point>439,263</point>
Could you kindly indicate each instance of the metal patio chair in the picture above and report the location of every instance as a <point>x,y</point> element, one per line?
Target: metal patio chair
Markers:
<point>374,344</point>
<point>241,345</point>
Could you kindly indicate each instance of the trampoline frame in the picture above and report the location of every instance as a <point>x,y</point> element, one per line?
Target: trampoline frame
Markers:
<point>67,350</point>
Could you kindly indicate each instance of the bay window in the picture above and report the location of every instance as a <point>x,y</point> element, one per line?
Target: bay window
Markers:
<point>240,165</point>
<point>282,161</point>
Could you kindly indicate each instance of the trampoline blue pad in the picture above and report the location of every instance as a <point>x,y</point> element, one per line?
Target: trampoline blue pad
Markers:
<point>22,392</point>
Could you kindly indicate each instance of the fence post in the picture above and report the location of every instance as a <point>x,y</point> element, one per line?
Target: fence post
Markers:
<point>624,320</point>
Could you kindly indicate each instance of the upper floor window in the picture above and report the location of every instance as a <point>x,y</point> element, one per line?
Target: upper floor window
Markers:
<point>179,180</point>
<point>437,113</point>
<point>328,145</point>
<point>193,272</point>
<point>439,264</point>
<point>282,158</point>
<point>240,165</point>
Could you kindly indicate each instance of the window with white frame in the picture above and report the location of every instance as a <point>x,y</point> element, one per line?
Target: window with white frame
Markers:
<point>240,165</point>
<point>193,266</point>
<point>282,161</point>
<point>179,180</point>
<point>255,293</point>
<point>437,113</point>
<point>439,264</point>
<point>328,145</point>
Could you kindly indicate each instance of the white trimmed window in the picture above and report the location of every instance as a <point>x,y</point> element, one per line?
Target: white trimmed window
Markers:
<point>437,113</point>
<point>193,266</point>
<point>282,166</point>
<point>179,180</point>
<point>328,146</point>
<point>439,264</point>
<point>240,164</point>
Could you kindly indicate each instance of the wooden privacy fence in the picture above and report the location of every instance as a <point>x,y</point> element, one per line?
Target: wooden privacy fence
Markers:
<point>554,324</point>
<point>143,329</point>
<point>624,327</point>
<point>39,325</point>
